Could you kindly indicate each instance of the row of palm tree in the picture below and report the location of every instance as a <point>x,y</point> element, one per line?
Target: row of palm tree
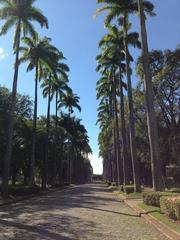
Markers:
<point>47,62</point>
<point>114,63</point>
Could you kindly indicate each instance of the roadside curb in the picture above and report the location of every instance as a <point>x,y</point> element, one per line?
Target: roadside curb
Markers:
<point>40,194</point>
<point>161,227</point>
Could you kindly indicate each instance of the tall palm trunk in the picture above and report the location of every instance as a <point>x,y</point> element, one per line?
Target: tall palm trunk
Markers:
<point>8,153</point>
<point>116,164</point>
<point>33,148</point>
<point>151,118</point>
<point>135,164</point>
<point>69,162</point>
<point>44,179</point>
<point>123,132</point>
<point>113,153</point>
<point>68,153</point>
<point>55,142</point>
<point>118,152</point>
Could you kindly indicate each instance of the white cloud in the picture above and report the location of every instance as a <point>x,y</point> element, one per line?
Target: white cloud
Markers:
<point>96,163</point>
<point>3,54</point>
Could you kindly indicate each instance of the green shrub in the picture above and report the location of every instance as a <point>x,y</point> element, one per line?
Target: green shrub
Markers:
<point>23,191</point>
<point>152,198</point>
<point>170,206</point>
<point>128,189</point>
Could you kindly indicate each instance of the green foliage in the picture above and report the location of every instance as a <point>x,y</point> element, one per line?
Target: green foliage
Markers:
<point>68,127</point>
<point>152,198</point>
<point>165,67</point>
<point>171,207</point>
<point>128,189</point>
<point>23,191</point>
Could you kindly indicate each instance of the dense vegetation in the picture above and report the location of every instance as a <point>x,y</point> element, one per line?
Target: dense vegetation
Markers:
<point>139,127</point>
<point>39,150</point>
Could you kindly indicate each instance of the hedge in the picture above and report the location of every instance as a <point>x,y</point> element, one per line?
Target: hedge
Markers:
<point>170,206</point>
<point>153,198</point>
<point>127,188</point>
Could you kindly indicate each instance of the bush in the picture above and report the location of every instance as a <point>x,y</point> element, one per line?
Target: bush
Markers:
<point>23,191</point>
<point>128,189</point>
<point>170,206</point>
<point>152,198</point>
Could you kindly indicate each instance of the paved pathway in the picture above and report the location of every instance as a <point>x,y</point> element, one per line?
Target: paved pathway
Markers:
<point>85,212</point>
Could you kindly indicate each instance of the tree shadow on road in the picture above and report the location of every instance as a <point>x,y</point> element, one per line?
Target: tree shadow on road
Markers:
<point>33,229</point>
<point>114,212</point>
<point>53,228</point>
<point>55,210</point>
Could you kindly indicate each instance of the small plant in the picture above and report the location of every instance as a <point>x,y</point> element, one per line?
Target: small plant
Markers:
<point>170,206</point>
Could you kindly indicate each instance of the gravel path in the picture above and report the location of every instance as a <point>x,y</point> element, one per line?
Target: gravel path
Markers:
<point>85,212</point>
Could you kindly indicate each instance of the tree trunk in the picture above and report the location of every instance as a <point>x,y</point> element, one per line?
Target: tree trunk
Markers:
<point>69,161</point>
<point>44,179</point>
<point>135,164</point>
<point>55,143</point>
<point>33,148</point>
<point>123,132</point>
<point>157,179</point>
<point>8,152</point>
<point>118,148</point>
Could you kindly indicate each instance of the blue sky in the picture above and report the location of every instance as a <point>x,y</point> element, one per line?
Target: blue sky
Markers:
<point>75,32</point>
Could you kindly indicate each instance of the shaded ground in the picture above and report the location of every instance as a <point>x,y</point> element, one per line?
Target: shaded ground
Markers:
<point>85,212</point>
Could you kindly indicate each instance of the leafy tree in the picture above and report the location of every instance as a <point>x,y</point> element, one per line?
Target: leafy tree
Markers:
<point>23,111</point>
<point>164,67</point>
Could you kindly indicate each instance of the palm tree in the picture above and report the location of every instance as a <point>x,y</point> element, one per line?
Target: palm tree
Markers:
<point>53,85</point>
<point>114,40</point>
<point>151,118</point>
<point>107,61</point>
<point>47,93</point>
<point>17,13</point>
<point>60,88</point>
<point>121,10</point>
<point>105,119</point>
<point>41,55</point>
<point>70,101</point>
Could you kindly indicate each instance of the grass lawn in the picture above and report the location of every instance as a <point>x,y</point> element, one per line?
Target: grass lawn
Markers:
<point>133,195</point>
<point>155,212</point>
